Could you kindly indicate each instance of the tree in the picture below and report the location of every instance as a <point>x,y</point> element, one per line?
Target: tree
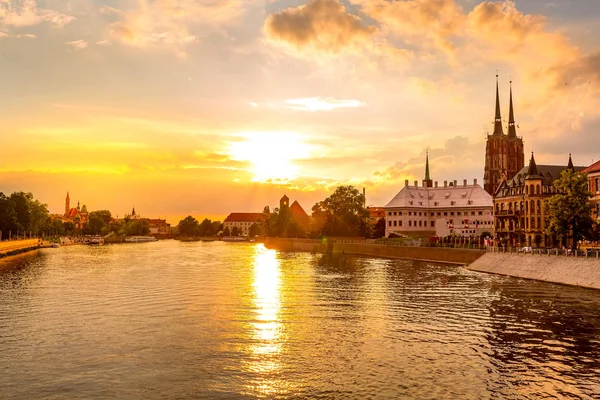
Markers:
<point>96,222</point>
<point>226,231</point>
<point>254,230</point>
<point>341,214</point>
<point>20,201</point>
<point>570,210</point>
<point>379,230</point>
<point>188,226</point>
<point>235,231</point>
<point>104,214</point>
<point>8,217</point>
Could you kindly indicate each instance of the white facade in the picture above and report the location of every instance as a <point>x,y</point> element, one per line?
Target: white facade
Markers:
<point>243,222</point>
<point>463,210</point>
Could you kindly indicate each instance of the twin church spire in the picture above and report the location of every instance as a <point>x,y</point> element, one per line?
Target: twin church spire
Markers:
<point>498,129</point>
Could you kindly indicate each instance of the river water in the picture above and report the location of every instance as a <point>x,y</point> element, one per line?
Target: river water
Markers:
<point>171,320</point>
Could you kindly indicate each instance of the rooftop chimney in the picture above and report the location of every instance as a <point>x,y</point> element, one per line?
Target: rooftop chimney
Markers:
<point>436,184</point>
<point>464,182</point>
<point>455,183</point>
<point>416,183</point>
<point>406,183</point>
<point>474,181</point>
<point>445,183</point>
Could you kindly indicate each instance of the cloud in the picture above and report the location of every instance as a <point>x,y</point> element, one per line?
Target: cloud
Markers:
<point>321,104</point>
<point>324,25</point>
<point>28,14</point>
<point>583,71</point>
<point>78,45</point>
<point>457,155</point>
<point>170,23</point>
<point>17,35</point>
<point>419,21</point>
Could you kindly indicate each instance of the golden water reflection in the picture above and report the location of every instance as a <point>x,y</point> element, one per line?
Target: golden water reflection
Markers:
<point>268,336</point>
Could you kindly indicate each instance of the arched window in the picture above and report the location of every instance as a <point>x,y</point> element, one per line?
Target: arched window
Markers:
<point>537,189</point>
<point>526,189</point>
<point>539,207</point>
<point>532,205</point>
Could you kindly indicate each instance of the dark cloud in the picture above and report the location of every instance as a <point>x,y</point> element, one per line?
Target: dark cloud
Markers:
<point>321,24</point>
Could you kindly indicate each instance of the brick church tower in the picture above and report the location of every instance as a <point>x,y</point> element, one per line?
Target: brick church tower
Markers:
<point>504,154</point>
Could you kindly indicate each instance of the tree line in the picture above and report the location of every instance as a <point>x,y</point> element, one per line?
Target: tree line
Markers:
<point>22,215</point>
<point>343,213</point>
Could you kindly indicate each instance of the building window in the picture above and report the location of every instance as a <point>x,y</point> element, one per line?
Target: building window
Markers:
<point>400,213</point>
<point>459,213</point>
<point>410,213</point>
<point>395,223</point>
<point>409,223</point>
<point>390,213</point>
<point>480,212</point>
<point>432,224</point>
<point>420,214</point>
<point>452,213</point>
<point>420,223</point>
<point>400,223</point>
<point>445,214</point>
<point>439,214</point>
<point>389,223</point>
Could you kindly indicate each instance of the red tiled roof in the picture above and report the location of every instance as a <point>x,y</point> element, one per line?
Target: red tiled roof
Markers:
<point>297,210</point>
<point>595,167</point>
<point>244,217</point>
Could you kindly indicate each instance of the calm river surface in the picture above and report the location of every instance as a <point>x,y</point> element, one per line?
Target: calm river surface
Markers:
<point>170,320</point>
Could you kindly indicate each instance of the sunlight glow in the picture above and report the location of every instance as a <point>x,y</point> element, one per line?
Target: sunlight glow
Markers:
<point>271,155</point>
<point>268,332</point>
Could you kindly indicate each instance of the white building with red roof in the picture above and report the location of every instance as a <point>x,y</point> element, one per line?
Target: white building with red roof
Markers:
<point>435,210</point>
<point>243,222</point>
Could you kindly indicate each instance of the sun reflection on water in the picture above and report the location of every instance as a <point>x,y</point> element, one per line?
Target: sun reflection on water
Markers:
<point>268,335</point>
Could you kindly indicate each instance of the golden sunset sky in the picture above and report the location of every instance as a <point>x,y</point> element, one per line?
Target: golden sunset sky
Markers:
<point>206,107</point>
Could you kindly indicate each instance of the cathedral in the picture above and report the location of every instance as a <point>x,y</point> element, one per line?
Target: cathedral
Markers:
<point>78,216</point>
<point>504,153</point>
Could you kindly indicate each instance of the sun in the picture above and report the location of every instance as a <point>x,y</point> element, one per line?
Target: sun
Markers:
<point>271,154</point>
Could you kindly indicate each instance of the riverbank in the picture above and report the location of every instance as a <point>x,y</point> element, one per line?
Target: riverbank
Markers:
<point>580,271</point>
<point>431,254</point>
<point>9,251</point>
<point>572,271</point>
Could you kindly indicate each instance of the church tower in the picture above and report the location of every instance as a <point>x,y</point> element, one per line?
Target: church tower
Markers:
<point>504,154</point>
<point>67,204</point>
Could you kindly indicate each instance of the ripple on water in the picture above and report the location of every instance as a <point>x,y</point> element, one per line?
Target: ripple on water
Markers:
<point>218,320</point>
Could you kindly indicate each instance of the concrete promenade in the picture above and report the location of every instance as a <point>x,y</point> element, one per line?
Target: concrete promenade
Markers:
<point>574,271</point>
<point>17,246</point>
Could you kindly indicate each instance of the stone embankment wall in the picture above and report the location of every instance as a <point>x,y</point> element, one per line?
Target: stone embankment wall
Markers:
<point>434,254</point>
<point>578,271</point>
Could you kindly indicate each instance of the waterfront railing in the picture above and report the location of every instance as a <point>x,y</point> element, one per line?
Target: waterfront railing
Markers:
<point>556,252</point>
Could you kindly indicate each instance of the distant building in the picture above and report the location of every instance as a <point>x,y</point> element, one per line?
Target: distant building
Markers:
<point>432,210</point>
<point>298,215</point>
<point>77,216</point>
<point>519,204</point>
<point>243,222</point>
<point>593,172</point>
<point>375,214</point>
<point>159,226</point>
<point>504,154</point>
